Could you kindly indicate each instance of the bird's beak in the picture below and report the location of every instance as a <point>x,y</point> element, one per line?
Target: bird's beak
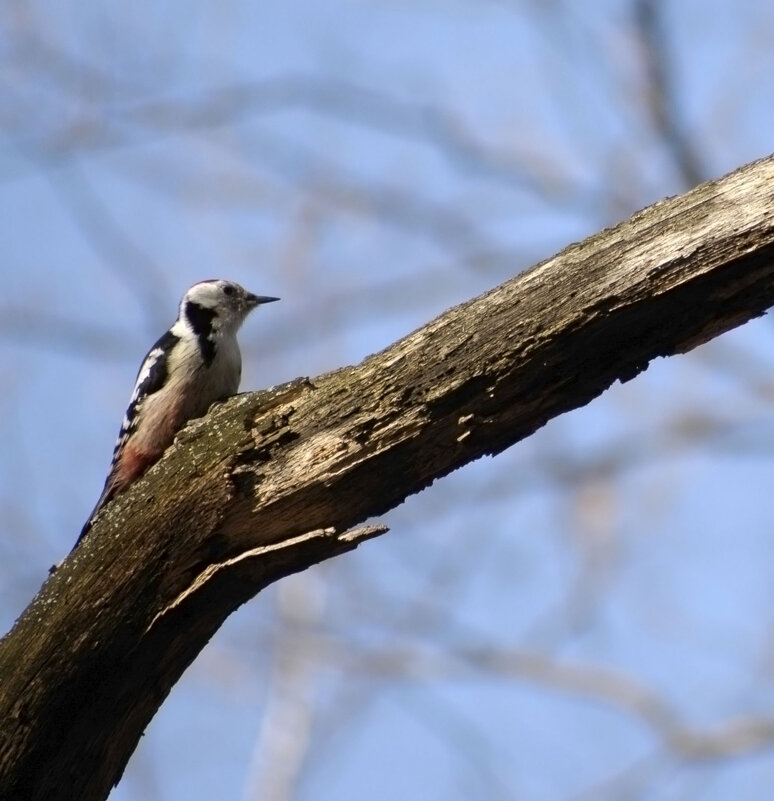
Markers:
<point>256,300</point>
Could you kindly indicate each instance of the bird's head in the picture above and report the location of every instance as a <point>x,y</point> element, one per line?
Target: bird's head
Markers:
<point>218,306</point>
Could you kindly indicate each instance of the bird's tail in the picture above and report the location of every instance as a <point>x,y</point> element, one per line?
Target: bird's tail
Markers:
<point>108,492</point>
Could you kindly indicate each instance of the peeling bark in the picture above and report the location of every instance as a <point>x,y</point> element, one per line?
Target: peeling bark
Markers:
<point>272,482</point>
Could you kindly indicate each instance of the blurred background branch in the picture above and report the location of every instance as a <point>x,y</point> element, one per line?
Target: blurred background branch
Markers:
<point>373,164</point>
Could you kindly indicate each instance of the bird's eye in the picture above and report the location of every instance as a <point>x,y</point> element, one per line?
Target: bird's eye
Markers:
<point>228,289</point>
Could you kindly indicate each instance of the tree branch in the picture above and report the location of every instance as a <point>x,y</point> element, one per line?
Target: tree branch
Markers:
<point>272,482</point>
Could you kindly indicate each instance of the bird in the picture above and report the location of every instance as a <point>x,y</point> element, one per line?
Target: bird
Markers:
<point>194,364</point>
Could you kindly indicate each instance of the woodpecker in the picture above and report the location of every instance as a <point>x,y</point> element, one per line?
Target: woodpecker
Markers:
<point>193,365</point>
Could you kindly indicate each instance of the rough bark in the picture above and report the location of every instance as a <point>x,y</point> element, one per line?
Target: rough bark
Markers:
<point>271,482</point>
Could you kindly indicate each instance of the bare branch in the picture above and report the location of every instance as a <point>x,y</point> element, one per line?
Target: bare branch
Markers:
<point>661,96</point>
<point>33,328</point>
<point>120,255</point>
<point>134,121</point>
<point>271,482</point>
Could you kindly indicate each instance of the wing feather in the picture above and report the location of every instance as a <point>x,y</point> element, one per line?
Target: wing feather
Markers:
<point>150,379</point>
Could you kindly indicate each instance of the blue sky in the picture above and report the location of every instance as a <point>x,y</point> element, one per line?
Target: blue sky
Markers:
<point>525,625</point>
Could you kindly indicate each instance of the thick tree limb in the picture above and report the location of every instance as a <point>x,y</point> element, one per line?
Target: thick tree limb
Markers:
<point>272,482</point>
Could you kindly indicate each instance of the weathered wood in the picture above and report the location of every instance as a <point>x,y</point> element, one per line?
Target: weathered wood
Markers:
<point>271,482</point>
